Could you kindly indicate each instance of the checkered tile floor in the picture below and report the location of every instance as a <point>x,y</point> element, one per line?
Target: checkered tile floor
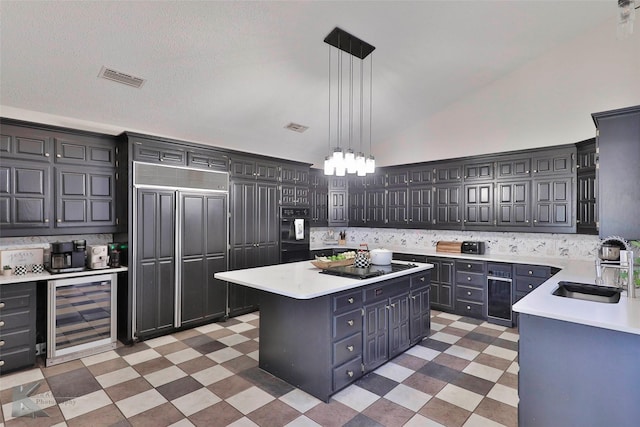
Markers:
<point>465,374</point>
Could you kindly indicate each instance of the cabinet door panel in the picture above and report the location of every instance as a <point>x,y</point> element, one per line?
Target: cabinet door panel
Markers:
<point>514,206</point>
<point>193,289</point>
<point>375,335</point>
<point>553,203</point>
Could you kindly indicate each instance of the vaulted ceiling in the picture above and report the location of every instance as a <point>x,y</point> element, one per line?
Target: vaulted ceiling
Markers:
<point>234,74</point>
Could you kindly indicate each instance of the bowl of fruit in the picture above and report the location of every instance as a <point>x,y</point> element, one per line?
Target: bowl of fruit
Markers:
<point>324,262</point>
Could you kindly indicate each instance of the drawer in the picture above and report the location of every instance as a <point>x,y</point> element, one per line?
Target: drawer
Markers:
<point>346,373</point>
<point>420,280</point>
<point>384,290</point>
<point>17,319</point>
<point>347,301</point>
<point>410,257</point>
<point>347,349</point>
<point>470,266</point>
<point>17,358</point>
<point>14,339</point>
<point>533,271</point>
<point>14,300</point>
<point>471,279</point>
<point>472,309</point>
<point>469,294</point>
<point>527,284</point>
<point>347,324</point>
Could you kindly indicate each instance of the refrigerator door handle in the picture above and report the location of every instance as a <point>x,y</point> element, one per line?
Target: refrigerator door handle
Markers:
<point>177,321</point>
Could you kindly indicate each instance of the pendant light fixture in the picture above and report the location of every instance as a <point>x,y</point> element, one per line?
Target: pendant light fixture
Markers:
<point>344,128</point>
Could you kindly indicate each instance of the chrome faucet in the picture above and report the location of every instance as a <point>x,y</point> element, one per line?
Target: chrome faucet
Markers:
<point>622,274</point>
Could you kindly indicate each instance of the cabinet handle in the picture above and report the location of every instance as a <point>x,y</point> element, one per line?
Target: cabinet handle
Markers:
<point>468,265</point>
<point>350,374</point>
<point>530,272</point>
<point>414,297</point>
<point>350,347</point>
<point>58,220</point>
<point>1,343</point>
<point>535,171</point>
<point>58,155</point>
<point>350,322</point>
<point>422,279</point>
<point>1,323</point>
<point>468,278</point>
<point>468,307</point>
<point>1,305</point>
<point>46,154</point>
<point>350,300</point>
<point>468,292</point>
<point>162,160</point>
<point>46,220</point>
<point>1,362</point>
<point>530,286</point>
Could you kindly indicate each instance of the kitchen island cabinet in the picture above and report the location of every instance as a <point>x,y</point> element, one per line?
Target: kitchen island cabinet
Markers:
<point>314,329</point>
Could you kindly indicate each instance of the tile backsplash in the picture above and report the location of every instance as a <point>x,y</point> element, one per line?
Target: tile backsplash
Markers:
<point>576,246</point>
<point>44,241</point>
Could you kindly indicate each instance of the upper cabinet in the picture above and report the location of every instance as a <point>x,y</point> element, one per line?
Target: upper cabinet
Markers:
<point>56,181</point>
<point>254,168</point>
<point>618,173</point>
<point>587,187</point>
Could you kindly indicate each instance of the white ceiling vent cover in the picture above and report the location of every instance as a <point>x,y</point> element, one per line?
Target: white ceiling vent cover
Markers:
<point>124,78</point>
<point>296,127</point>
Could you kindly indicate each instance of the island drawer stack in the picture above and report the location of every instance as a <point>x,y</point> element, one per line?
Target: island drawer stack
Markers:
<point>347,338</point>
<point>471,281</point>
<point>529,277</point>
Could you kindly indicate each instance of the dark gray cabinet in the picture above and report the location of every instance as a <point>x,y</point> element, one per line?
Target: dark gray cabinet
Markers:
<point>553,204</point>
<point>152,151</point>
<point>447,172</point>
<point>56,181</point>
<point>155,262</point>
<point>513,204</point>
<point>587,188</point>
<point>203,253</point>
<point>618,174</point>
<point>442,283</point>
<point>84,197</point>
<point>419,307</point>
<point>513,167</point>
<point>478,205</point>
<point>470,288</point>
<point>25,196</point>
<point>319,198</point>
<point>17,326</point>
<point>294,190</point>
<point>207,159</point>
<point>386,322</point>
<point>479,171</point>
<point>254,168</point>
<point>421,205</point>
<point>448,206</point>
<point>397,207</point>
<point>254,236</point>
<point>338,202</point>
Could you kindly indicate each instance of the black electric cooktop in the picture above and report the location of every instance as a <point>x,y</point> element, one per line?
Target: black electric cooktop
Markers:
<point>365,273</point>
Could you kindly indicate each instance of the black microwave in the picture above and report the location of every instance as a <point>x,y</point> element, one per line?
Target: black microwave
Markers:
<point>476,248</point>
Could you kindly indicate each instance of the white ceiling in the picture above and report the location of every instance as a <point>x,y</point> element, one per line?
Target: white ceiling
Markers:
<point>233,74</point>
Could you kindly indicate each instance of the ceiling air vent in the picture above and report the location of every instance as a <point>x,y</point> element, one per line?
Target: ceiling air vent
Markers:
<point>117,76</point>
<point>296,127</point>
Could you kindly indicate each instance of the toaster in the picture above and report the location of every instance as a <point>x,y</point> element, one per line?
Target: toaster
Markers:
<point>97,257</point>
<point>476,248</point>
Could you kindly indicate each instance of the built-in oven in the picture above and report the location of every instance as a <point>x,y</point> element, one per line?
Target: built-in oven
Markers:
<point>499,294</point>
<point>294,234</point>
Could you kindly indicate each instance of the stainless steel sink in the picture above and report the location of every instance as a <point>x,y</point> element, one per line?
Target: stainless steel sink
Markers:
<point>587,292</point>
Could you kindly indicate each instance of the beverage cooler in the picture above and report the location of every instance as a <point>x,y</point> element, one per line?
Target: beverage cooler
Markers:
<point>81,317</point>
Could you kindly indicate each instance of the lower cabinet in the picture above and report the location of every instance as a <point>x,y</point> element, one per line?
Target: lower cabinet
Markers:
<point>470,289</point>
<point>17,326</point>
<point>441,277</point>
<point>353,332</point>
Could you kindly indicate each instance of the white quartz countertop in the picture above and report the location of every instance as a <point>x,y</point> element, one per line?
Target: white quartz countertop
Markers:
<point>623,316</point>
<point>44,276</point>
<point>301,280</point>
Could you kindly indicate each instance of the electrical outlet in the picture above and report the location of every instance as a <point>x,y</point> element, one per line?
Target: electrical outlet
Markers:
<point>41,348</point>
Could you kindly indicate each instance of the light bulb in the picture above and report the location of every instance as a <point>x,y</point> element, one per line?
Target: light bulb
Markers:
<point>350,161</point>
<point>329,169</point>
<point>361,165</point>
<point>340,169</point>
<point>371,164</point>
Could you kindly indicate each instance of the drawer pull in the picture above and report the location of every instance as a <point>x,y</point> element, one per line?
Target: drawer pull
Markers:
<point>350,374</point>
<point>468,265</point>
<point>468,292</point>
<point>530,272</point>
<point>1,305</point>
<point>350,322</point>
<point>530,286</point>
<point>1,343</point>
<point>414,297</point>
<point>1,323</point>
<point>350,300</point>
<point>468,307</point>
<point>422,279</point>
<point>1,362</point>
<point>350,347</point>
<point>468,278</point>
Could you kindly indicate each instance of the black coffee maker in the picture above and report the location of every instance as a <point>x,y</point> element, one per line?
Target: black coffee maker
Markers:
<point>66,257</point>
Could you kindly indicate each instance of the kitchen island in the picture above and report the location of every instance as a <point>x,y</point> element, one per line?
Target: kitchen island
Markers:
<point>321,332</point>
